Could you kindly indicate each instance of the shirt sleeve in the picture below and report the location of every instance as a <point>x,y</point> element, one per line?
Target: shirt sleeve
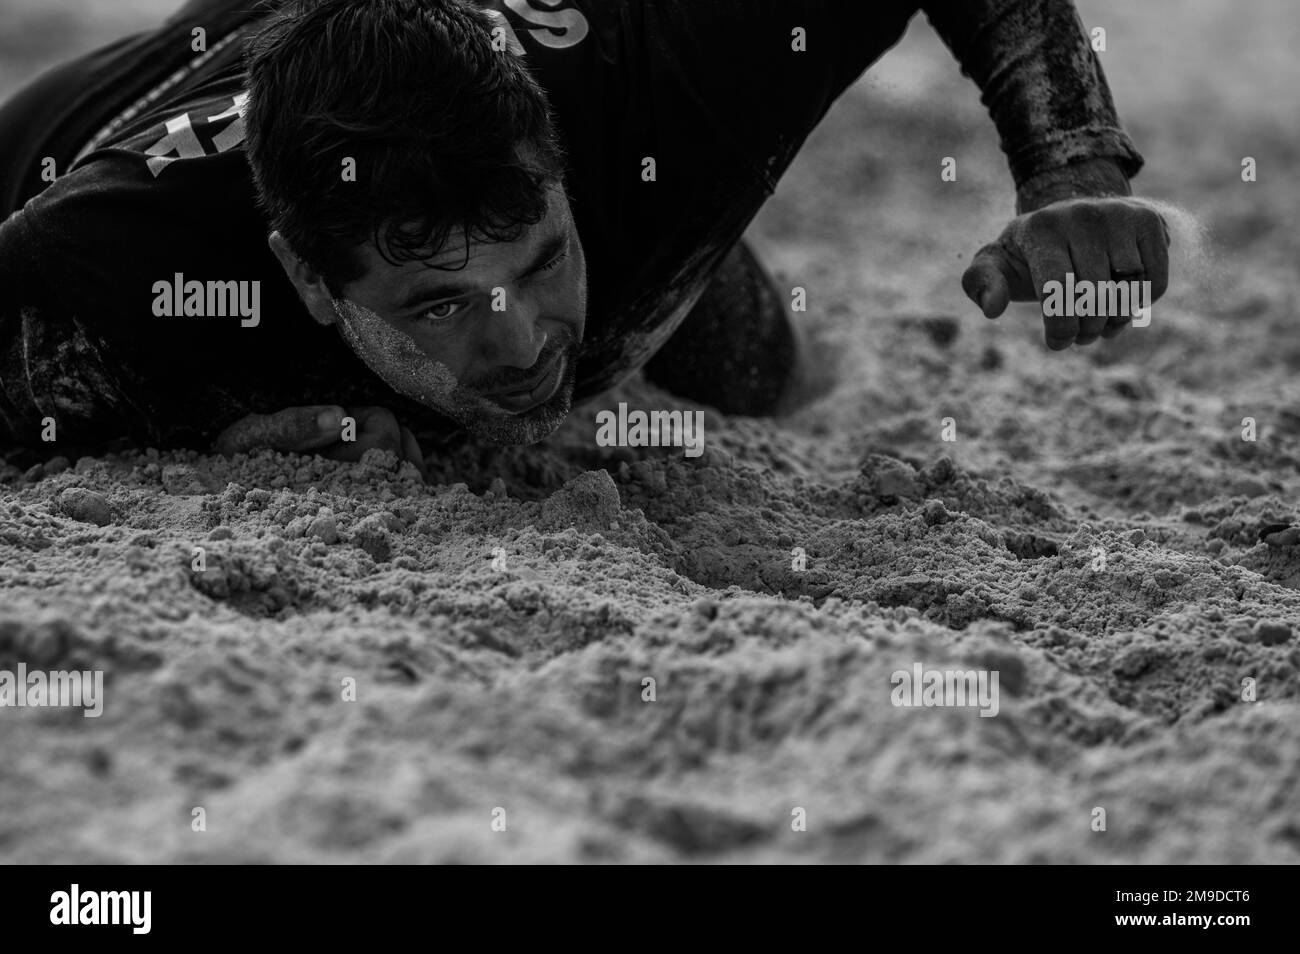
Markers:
<point>1040,80</point>
<point>81,340</point>
<point>761,74</point>
<point>767,71</point>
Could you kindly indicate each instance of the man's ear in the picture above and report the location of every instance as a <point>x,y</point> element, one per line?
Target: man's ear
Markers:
<point>309,282</point>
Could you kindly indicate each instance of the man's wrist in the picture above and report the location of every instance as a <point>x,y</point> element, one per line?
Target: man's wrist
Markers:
<point>1094,178</point>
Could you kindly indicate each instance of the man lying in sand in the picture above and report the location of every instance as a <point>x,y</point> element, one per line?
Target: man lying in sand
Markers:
<point>479,214</point>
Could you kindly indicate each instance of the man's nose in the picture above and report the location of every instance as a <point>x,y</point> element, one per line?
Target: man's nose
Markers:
<point>514,336</point>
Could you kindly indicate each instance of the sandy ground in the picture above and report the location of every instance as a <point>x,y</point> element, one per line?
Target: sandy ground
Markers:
<point>521,688</point>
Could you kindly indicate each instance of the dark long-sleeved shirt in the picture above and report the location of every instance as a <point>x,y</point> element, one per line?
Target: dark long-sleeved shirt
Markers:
<point>147,138</point>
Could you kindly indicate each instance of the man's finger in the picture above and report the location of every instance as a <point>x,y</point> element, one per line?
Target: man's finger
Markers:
<point>1125,256</point>
<point>376,428</point>
<point>411,450</point>
<point>993,278</point>
<point>1091,263</point>
<point>1049,261</point>
<point>294,429</point>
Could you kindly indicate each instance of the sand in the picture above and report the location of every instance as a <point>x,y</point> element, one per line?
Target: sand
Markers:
<point>372,668</point>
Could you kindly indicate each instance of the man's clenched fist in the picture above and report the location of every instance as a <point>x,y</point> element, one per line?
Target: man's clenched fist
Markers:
<point>1098,240</point>
<point>319,429</point>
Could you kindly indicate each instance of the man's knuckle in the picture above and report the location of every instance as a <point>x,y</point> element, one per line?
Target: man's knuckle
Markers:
<point>1090,215</point>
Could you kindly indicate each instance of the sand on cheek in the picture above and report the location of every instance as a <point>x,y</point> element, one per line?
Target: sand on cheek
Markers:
<point>398,359</point>
<point>395,356</point>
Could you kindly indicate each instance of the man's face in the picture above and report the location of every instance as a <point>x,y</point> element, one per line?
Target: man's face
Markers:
<point>493,345</point>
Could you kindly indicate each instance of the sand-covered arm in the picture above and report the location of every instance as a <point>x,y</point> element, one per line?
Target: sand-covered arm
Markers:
<point>52,366</point>
<point>1044,88</point>
<point>1043,85</point>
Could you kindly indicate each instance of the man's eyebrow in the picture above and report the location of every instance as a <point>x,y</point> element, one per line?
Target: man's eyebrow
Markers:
<point>438,291</point>
<point>435,292</point>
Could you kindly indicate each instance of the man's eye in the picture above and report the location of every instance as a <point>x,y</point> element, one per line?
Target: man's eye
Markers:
<point>440,312</point>
<point>555,263</point>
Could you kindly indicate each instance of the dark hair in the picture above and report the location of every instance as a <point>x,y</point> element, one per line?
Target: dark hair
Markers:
<point>447,132</point>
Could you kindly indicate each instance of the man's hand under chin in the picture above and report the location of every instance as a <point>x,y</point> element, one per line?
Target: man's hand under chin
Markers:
<point>318,429</point>
<point>1064,230</point>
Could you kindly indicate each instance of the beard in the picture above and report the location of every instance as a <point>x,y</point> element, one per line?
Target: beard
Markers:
<point>492,423</point>
<point>395,357</point>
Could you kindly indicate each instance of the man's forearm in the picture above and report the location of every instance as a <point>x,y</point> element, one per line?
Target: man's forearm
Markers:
<point>1044,88</point>
<point>50,370</point>
<point>50,365</point>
